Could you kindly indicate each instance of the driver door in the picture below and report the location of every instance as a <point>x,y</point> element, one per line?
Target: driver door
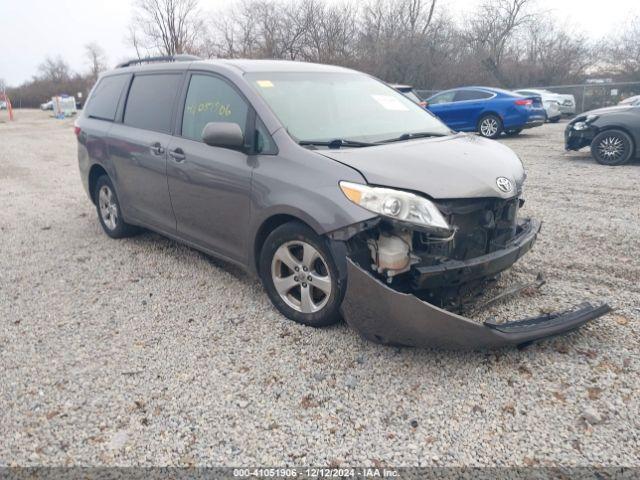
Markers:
<point>210,186</point>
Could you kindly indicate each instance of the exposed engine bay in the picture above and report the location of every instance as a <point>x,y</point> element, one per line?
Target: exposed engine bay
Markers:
<point>434,265</point>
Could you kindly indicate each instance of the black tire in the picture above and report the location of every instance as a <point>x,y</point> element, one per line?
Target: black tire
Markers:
<point>292,237</point>
<point>513,132</point>
<point>109,212</point>
<point>555,119</point>
<point>490,126</point>
<point>612,147</point>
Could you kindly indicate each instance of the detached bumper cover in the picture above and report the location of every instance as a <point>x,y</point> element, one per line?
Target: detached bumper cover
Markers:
<point>384,315</point>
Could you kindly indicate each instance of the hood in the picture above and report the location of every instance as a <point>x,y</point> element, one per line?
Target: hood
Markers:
<point>606,110</point>
<point>457,166</point>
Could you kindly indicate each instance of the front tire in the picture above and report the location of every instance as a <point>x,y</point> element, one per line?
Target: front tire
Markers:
<point>300,275</point>
<point>490,126</point>
<point>109,212</point>
<point>612,147</point>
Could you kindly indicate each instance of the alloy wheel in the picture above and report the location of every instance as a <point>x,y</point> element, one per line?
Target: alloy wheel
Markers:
<point>611,148</point>
<point>489,127</point>
<point>108,207</point>
<point>301,276</point>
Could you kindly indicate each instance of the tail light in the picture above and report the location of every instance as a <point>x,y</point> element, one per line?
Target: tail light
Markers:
<point>76,128</point>
<point>524,101</point>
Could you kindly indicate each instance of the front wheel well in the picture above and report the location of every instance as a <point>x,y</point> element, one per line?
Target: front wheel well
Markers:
<point>616,127</point>
<point>268,226</point>
<point>94,174</point>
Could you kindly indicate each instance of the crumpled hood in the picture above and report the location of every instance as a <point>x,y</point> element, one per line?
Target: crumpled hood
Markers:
<point>457,166</point>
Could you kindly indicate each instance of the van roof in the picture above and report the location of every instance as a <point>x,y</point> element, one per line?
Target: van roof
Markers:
<point>243,65</point>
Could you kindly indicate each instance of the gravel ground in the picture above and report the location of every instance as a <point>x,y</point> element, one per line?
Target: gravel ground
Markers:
<point>146,352</point>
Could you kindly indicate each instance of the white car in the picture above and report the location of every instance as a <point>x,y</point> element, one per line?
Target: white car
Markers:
<point>3,105</point>
<point>550,101</point>
<point>46,105</point>
<point>567,104</point>
<point>635,100</point>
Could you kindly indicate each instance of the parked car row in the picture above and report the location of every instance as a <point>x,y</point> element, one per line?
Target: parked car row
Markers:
<point>612,133</point>
<point>493,111</point>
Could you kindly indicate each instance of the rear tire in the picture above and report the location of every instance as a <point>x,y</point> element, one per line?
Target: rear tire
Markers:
<point>612,147</point>
<point>109,212</point>
<point>490,126</point>
<point>300,275</point>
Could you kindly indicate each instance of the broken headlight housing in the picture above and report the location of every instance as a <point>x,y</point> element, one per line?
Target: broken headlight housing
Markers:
<point>586,123</point>
<point>398,205</point>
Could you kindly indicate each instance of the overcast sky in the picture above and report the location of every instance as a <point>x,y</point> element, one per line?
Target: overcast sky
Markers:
<point>32,29</point>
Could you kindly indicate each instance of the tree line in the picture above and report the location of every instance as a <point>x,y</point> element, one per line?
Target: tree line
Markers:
<point>506,43</point>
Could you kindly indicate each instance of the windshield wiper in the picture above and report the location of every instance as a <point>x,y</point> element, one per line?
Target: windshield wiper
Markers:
<point>410,136</point>
<point>336,143</point>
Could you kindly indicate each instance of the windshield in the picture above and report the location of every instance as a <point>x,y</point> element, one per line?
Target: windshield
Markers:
<point>348,106</point>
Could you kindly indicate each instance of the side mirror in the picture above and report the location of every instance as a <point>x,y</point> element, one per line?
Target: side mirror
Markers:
<point>223,134</point>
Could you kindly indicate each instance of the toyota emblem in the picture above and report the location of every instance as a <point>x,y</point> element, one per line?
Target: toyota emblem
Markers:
<point>504,184</point>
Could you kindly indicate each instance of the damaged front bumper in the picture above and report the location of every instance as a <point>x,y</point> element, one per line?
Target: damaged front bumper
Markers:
<point>455,272</point>
<point>384,315</point>
<point>577,139</point>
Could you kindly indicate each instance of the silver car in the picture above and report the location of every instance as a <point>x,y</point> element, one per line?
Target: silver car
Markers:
<point>551,102</point>
<point>345,197</point>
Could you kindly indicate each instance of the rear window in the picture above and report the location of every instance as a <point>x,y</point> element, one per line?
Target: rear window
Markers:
<point>150,101</point>
<point>104,99</point>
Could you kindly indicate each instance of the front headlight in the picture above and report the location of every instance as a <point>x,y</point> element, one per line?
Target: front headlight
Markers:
<point>586,123</point>
<point>396,204</point>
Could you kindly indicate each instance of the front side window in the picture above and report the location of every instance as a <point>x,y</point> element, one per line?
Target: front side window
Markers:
<point>105,97</point>
<point>211,99</point>
<point>329,106</point>
<point>150,101</point>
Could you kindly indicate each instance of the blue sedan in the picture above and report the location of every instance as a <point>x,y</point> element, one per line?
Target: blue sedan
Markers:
<point>488,111</point>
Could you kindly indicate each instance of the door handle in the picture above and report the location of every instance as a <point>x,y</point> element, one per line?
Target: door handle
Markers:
<point>177,154</point>
<point>156,148</point>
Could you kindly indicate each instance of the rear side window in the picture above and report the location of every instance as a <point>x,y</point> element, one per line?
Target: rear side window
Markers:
<point>463,95</point>
<point>445,97</point>
<point>105,97</point>
<point>211,99</point>
<point>150,101</point>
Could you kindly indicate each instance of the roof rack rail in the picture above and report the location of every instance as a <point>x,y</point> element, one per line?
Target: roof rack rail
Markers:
<point>165,58</point>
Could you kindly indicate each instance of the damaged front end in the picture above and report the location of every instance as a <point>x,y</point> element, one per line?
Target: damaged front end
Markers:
<point>405,283</point>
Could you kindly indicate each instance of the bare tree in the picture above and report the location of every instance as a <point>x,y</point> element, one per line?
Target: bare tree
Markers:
<point>96,58</point>
<point>491,28</point>
<point>54,70</point>
<point>166,27</point>
<point>621,51</point>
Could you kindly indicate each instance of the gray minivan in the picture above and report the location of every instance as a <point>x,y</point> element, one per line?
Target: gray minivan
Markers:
<point>346,198</point>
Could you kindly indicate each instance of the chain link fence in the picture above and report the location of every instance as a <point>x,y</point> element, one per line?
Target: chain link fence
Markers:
<point>588,96</point>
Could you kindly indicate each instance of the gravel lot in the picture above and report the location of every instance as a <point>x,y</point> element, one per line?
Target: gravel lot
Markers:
<point>146,352</point>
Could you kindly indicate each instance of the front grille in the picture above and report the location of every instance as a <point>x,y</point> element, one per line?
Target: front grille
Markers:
<point>482,226</point>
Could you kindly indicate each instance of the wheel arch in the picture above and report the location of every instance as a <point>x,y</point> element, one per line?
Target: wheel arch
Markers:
<point>267,226</point>
<point>607,128</point>
<point>95,172</point>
